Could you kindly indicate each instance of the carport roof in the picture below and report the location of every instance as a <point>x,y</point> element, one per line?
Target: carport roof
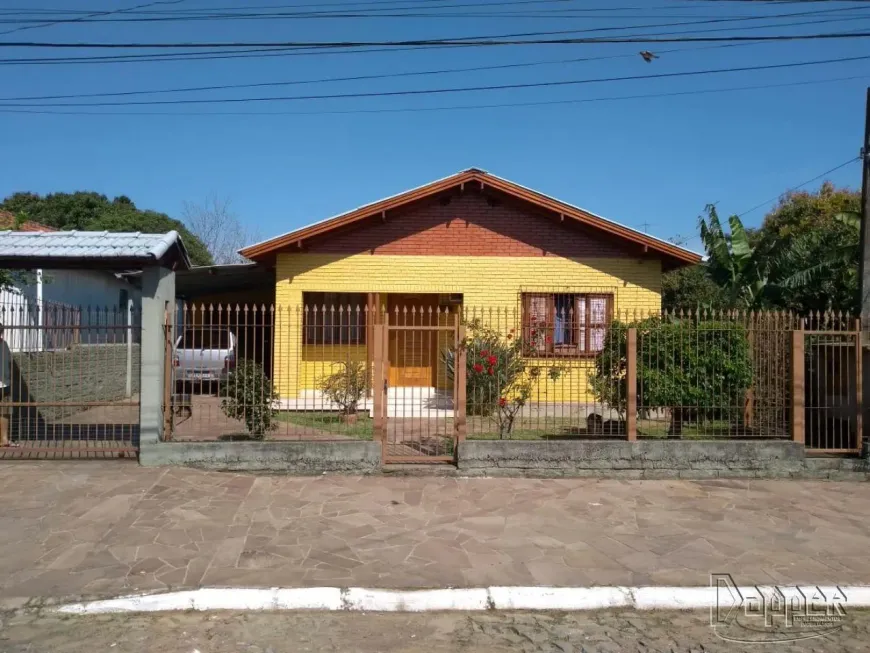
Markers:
<point>91,249</point>
<point>215,279</point>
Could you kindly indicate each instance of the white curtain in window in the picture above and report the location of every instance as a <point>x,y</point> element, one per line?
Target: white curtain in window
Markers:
<point>598,316</point>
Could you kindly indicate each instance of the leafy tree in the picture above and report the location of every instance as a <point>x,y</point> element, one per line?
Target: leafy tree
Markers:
<point>692,289</point>
<point>706,381</point>
<point>734,263</point>
<point>812,240</point>
<point>818,271</point>
<point>800,212</point>
<point>89,211</point>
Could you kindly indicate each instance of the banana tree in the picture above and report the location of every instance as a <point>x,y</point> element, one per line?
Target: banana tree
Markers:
<point>823,263</point>
<point>734,262</point>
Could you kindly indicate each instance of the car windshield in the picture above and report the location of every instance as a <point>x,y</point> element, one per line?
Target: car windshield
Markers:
<point>205,339</point>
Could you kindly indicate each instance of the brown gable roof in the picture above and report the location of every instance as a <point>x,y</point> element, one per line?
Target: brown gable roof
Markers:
<point>7,223</point>
<point>674,254</point>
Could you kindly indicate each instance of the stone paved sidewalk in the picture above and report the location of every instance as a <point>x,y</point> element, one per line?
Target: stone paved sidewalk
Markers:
<point>99,529</point>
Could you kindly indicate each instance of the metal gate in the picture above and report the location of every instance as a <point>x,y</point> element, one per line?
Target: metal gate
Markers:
<point>832,390</point>
<point>69,381</point>
<point>419,384</point>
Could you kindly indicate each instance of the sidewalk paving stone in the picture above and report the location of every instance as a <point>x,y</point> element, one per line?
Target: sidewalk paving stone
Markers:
<point>105,528</point>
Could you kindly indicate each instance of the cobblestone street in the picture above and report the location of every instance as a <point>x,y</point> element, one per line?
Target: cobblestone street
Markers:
<point>223,632</point>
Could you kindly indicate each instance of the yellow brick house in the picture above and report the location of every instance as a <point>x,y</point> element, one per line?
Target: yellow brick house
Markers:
<point>472,244</point>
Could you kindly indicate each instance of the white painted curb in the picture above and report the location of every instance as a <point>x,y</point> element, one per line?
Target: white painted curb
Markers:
<point>360,599</point>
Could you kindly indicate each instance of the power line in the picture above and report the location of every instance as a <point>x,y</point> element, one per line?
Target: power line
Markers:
<point>439,42</point>
<point>279,51</point>
<point>801,185</point>
<point>100,13</point>
<point>444,71</point>
<point>271,15</point>
<point>289,52</point>
<point>303,51</point>
<point>448,90</point>
<point>363,5</point>
<point>462,107</point>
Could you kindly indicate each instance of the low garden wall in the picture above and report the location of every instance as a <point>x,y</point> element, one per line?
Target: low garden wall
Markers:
<point>312,457</point>
<point>83,373</point>
<point>650,459</point>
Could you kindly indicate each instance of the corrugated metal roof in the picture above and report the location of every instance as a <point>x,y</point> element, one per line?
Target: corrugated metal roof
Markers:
<point>95,246</point>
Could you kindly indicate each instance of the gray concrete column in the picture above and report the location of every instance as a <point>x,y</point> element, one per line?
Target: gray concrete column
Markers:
<point>158,296</point>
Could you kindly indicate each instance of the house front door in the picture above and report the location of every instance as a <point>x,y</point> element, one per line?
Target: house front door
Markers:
<point>413,353</point>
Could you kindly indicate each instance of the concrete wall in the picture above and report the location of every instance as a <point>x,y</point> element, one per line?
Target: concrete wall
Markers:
<point>294,457</point>
<point>652,459</point>
<point>86,288</point>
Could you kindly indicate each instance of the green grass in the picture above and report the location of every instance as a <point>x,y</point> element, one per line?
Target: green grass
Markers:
<point>545,428</point>
<point>330,423</point>
<point>652,428</point>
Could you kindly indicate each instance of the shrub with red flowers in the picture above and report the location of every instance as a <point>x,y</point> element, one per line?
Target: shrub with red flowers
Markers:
<point>498,379</point>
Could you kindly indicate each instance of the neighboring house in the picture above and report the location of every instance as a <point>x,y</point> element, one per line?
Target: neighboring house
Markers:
<point>472,240</point>
<point>40,298</point>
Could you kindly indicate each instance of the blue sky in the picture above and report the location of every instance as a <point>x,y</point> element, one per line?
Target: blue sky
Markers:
<point>648,160</point>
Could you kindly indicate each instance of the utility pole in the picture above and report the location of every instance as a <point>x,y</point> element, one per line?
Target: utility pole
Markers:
<point>864,280</point>
<point>865,216</point>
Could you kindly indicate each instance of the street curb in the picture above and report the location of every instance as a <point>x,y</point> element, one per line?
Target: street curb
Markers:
<point>357,599</point>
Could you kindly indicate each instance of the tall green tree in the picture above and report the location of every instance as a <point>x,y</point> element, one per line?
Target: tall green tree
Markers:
<point>812,240</point>
<point>89,211</point>
<point>818,270</point>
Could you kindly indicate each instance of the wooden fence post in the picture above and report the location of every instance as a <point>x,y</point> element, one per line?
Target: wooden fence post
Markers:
<point>459,407</point>
<point>168,361</point>
<point>631,384</point>
<point>797,385</point>
<point>378,394</point>
<point>859,387</point>
<point>749,404</point>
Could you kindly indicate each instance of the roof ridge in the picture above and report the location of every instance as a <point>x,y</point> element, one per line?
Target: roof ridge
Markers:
<point>551,204</point>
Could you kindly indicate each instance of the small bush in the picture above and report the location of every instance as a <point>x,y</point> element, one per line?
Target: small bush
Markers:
<point>249,395</point>
<point>346,386</point>
<point>697,370</point>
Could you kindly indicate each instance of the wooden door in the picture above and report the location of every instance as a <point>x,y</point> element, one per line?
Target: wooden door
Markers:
<point>413,353</point>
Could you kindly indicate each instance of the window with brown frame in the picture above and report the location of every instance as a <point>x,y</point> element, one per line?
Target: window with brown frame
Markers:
<point>565,324</point>
<point>331,318</point>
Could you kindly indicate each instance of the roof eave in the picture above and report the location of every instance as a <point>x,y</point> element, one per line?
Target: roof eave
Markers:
<point>680,257</point>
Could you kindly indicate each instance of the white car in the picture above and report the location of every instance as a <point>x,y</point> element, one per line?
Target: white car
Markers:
<point>204,354</point>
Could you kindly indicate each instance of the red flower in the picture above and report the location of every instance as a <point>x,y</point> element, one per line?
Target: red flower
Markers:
<point>509,336</point>
<point>533,333</point>
<point>549,339</point>
<point>490,371</point>
<point>502,402</point>
<point>492,360</point>
<point>478,367</point>
<point>484,353</point>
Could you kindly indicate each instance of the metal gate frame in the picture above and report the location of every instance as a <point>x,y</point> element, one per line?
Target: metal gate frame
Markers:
<point>381,366</point>
<point>801,382</point>
<point>60,331</point>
